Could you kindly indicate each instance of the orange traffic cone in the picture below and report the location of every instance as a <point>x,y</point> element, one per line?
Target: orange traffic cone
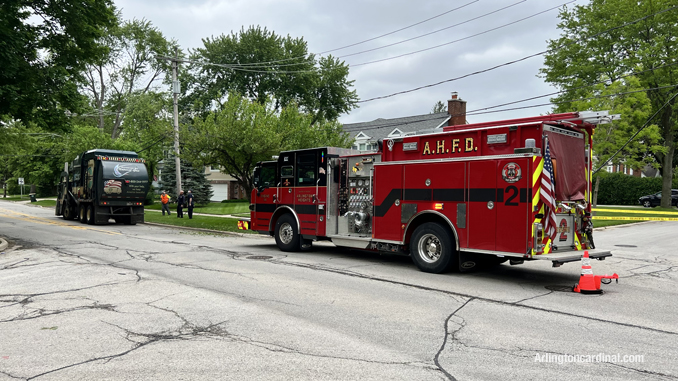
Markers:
<point>588,283</point>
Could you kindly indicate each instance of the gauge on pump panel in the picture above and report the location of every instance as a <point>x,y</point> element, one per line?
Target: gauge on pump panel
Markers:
<point>360,182</point>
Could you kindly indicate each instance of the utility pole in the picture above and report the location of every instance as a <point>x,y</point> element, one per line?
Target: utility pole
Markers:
<point>176,89</point>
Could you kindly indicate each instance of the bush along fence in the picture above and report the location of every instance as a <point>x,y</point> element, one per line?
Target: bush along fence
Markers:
<point>621,189</point>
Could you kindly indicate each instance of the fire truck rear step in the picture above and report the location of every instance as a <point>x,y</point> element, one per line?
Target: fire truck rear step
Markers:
<point>572,256</point>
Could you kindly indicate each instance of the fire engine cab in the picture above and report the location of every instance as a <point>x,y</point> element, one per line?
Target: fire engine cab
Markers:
<point>471,194</point>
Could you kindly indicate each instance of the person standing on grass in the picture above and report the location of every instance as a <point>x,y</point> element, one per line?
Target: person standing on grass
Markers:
<point>181,200</point>
<point>164,199</point>
<point>189,201</point>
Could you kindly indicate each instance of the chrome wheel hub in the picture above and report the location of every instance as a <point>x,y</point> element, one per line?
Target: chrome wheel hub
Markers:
<point>430,248</point>
<point>286,233</point>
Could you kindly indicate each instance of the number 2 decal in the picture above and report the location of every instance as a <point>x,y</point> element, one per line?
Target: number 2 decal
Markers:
<point>514,193</point>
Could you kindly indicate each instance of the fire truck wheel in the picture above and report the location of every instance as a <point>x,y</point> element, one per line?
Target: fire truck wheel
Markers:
<point>286,234</point>
<point>432,249</point>
<point>82,213</point>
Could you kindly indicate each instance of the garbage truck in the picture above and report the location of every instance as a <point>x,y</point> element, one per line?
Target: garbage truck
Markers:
<point>100,185</point>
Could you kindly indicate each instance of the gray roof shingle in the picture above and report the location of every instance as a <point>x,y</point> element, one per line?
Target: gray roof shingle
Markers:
<point>381,128</point>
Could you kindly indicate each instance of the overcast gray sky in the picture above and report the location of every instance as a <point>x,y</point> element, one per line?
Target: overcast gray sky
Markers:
<point>328,25</point>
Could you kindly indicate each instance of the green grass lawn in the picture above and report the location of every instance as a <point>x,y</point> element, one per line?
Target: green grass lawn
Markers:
<point>627,212</point>
<point>202,222</point>
<point>14,198</point>
<point>212,208</point>
<point>45,203</point>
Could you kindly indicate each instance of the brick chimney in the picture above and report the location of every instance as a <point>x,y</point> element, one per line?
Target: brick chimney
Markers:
<point>457,110</point>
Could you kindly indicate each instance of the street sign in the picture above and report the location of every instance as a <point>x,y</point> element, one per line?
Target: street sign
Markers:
<point>21,181</point>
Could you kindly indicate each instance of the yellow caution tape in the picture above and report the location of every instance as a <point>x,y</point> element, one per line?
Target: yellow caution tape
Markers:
<point>633,211</point>
<point>635,218</point>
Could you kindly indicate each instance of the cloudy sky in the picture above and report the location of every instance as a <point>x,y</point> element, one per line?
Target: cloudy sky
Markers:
<point>329,25</point>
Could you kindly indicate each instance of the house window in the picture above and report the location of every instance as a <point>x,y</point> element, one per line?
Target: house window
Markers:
<point>362,146</point>
<point>214,168</point>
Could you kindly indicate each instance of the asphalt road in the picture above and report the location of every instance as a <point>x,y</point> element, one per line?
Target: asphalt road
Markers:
<point>146,302</point>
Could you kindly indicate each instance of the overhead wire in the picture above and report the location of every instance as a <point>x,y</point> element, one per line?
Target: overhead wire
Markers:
<point>575,88</point>
<point>367,40</point>
<point>517,60</point>
<point>647,122</point>
<point>464,38</point>
<point>471,113</point>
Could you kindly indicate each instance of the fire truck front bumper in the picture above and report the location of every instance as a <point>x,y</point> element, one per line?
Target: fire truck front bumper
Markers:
<point>572,256</point>
<point>244,224</point>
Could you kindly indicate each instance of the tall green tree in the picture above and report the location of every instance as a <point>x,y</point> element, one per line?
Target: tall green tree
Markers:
<point>634,108</point>
<point>590,50</point>
<point>45,46</point>
<point>130,68</point>
<point>243,132</point>
<point>262,65</point>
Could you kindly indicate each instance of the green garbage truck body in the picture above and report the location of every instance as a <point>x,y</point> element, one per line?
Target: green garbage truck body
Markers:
<point>100,185</point>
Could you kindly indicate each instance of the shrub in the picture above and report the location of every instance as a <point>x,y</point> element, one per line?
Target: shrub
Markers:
<point>621,189</point>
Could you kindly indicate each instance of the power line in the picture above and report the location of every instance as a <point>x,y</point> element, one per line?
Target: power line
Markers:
<point>364,41</point>
<point>235,66</point>
<point>573,100</point>
<point>435,31</point>
<point>517,60</point>
<point>465,38</point>
<point>574,88</point>
<point>414,38</point>
<point>401,29</point>
<point>395,124</point>
<point>636,134</point>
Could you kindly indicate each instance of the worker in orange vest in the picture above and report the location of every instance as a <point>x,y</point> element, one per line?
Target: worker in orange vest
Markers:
<point>164,199</point>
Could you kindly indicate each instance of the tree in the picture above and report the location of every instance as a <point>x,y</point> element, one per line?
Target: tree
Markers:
<point>244,132</point>
<point>129,69</point>
<point>439,107</point>
<point>193,178</point>
<point>590,50</point>
<point>262,65</point>
<point>634,108</point>
<point>45,46</point>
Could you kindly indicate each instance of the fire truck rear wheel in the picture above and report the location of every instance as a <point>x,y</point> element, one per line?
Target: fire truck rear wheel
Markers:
<point>287,234</point>
<point>432,248</point>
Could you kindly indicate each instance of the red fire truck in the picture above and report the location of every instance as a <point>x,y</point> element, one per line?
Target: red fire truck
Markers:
<point>467,195</point>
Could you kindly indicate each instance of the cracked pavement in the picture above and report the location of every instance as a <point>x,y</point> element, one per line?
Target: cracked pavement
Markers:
<point>147,302</point>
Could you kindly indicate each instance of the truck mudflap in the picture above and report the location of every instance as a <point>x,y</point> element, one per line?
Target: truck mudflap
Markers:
<point>572,256</point>
<point>244,224</point>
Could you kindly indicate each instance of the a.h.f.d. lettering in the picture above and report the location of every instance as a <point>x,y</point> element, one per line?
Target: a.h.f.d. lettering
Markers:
<point>455,146</point>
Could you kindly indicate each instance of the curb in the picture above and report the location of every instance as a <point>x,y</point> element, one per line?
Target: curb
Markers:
<point>232,234</point>
<point>3,244</point>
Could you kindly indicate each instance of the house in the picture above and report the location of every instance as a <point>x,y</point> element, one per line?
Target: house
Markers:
<point>224,186</point>
<point>367,134</point>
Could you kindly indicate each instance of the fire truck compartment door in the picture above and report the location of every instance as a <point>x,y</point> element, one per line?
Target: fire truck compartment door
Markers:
<point>513,204</point>
<point>388,180</point>
<point>481,213</point>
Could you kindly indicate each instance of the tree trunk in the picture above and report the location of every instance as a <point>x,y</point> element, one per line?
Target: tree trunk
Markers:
<point>667,165</point>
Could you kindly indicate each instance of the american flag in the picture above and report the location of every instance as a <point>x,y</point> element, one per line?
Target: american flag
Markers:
<point>548,194</point>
